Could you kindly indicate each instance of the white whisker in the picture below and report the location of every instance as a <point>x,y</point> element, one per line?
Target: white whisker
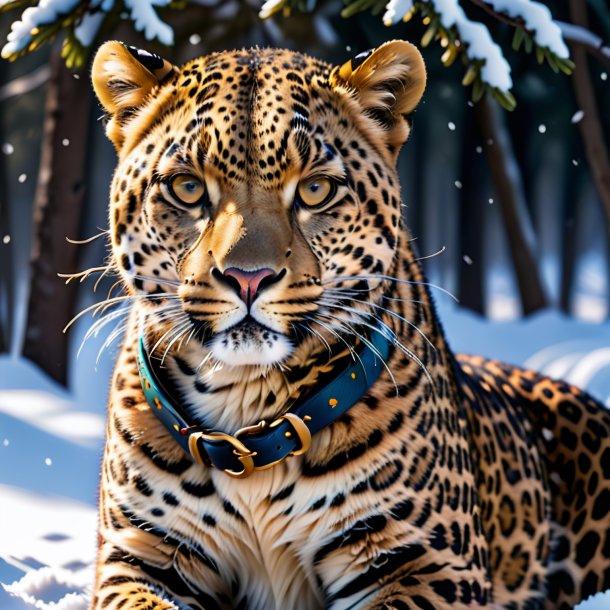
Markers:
<point>346,327</point>
<point>384,309</point>
<point>388,278</point>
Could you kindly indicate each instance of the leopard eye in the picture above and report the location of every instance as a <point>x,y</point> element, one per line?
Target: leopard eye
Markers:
<point>316,191</point>
<point>187,189</point>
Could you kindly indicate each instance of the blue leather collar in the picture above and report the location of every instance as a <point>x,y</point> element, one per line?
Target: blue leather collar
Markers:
<point>267,443</point>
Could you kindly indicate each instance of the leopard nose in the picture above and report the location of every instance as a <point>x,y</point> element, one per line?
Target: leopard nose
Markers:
<point>249,284</point>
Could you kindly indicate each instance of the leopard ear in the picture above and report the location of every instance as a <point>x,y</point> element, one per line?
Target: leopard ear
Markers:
<point>388,82</point>
<point>122,78</point>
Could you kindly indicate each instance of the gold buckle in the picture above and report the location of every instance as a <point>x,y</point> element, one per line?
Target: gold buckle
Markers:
<point>251,430</point>
<point>244,455</point>
<point>301,429</point>
<point>298,426</point>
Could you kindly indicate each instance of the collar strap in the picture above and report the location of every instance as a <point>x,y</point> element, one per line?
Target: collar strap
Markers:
<point>265,444</point>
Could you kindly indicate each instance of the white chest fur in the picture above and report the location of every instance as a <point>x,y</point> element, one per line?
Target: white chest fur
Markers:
<point>269,549</point>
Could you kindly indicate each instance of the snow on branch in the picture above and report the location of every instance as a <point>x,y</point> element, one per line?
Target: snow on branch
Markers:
<point>495,70</point>
<point>592,43</point>
<point>82,20</point>
<point>396,10</point>
<point>32,19</point>
<point>538,20</point>
<point>146,19</point>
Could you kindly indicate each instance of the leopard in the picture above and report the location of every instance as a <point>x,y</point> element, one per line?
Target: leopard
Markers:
<point>259,234</point>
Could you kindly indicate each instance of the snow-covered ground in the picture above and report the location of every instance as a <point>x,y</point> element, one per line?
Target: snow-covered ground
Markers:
<point>51,442</point>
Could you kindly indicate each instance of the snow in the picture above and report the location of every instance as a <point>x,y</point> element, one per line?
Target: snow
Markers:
<point>480,45</point>
<point>396,10</point>
<point>52,414</point>
<point>146,20</point>
<point>142,12</point>
<point>538,19</point>
<point>47,12</point>
<point>270,7</point>
<point>49,462</point>
<point>87,29</point>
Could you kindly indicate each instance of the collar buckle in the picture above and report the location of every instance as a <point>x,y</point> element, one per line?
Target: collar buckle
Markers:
<point>300,429</point>
<point>244,455</point>
<point>241,451</point>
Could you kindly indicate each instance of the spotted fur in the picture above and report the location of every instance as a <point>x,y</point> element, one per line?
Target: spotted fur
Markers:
<point>453,483</point>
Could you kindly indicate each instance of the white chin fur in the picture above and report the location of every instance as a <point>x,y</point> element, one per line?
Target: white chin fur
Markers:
<point>250,348</point>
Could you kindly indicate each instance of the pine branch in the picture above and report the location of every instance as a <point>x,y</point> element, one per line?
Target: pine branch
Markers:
<point>572,33</point>
<point>527,36</point>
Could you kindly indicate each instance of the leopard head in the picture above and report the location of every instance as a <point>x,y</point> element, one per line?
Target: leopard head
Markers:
<point>251,187</point>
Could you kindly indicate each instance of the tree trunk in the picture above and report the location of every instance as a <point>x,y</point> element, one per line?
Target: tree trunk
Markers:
<point>6,288</point>
<point>568,262</point>
<point>472,223</point>
<point>590,126</point>
<point>507,181</point>
<point>57,213</point>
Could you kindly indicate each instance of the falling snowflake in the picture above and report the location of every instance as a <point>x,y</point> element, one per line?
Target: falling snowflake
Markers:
<point>490,200</point>
<point>603,76</point>
<point>479,149</point>
<point>65,142</point>
<point>6,239</point>
<point>578,116</point>
<point>22,178</point>
<point>458,184</point>
<point>8,148</point>
<point>194,39</point>
<point>451,126</point>
<point>574,162</point>
<point>6,442</point>
<point>542,128</point>
<point>467,259</point>
<point>48,461</point>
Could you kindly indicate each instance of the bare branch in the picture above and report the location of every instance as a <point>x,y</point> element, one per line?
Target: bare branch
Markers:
<point>592,43</point>
<point>25,84</point>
